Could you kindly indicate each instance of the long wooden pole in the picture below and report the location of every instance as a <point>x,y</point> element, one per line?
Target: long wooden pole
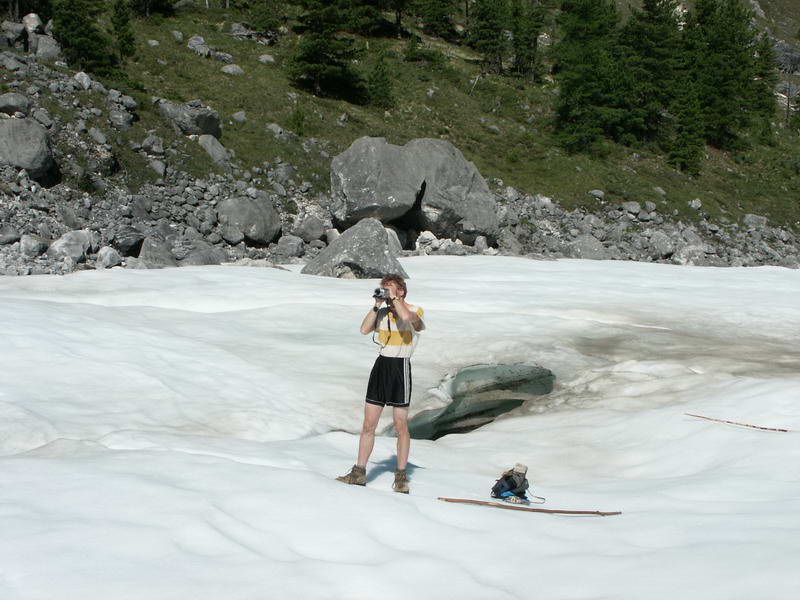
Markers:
<point>739,424</point>
<point>527,508</point>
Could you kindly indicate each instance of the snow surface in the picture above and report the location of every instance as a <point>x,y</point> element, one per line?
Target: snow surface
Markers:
<point>175,434</point>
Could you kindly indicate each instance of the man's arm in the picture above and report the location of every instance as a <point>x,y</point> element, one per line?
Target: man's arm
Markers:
<point>407,316</point>
<point>370,319</point>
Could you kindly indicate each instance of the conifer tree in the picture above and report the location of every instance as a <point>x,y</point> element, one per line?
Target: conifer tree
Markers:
<point>121,26</point>
<point>321,61</point>
<point>266,15</point>
<point>379,84</point>
<point>437,17</point>
<point>84,45</point>
<point>486,32</point>
<point>399,7</point>
<point>725,68</point>
<point>363,16</point>
<point>762,87</point>
<point>527,22</point>
<point>649,43</point>
<point>589,105</point>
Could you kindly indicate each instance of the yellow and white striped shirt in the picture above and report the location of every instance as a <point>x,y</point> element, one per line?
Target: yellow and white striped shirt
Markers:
<point>397,338</point>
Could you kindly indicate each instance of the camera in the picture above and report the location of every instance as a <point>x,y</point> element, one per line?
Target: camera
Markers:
<point>382,293</point>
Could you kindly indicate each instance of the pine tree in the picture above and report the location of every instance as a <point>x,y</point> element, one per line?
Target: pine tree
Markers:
<point>437,17</point>
<point>321,61</point>
<point>121,26</point>
<point>399,7</point>
<point>762,87</point>
<point>527,22</point>
<point>725,68</point>
<point>379,84</point>
<point>486,33</point>
<point>364,16</point>
<point>686,144</point>
<point>84,45</point>
<point>266,15</point>
<point>589,105</point>
<point>649,44</point>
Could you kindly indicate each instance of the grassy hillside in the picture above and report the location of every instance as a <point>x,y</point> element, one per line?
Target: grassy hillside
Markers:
<point>500,123</point>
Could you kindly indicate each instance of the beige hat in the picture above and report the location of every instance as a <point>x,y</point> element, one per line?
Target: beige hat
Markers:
<point>520,468</point>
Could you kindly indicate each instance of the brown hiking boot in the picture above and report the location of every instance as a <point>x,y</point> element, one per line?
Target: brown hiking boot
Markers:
<point>400,482</point>
<point>356,476</point>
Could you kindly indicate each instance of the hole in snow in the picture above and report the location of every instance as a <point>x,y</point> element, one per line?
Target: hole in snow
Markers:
<point>479,394</point>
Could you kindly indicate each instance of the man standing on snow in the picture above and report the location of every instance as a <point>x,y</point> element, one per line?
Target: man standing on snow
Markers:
<point>398,325</point>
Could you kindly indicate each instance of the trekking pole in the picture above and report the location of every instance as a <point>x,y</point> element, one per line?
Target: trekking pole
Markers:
<point>597,513</point>
<point>738,424</point>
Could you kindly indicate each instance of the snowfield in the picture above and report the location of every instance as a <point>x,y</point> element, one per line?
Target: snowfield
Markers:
<point>175,434</point>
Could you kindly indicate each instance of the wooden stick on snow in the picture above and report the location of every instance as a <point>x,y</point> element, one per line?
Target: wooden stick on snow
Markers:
<point>526,508</point>
<point>739,424</point>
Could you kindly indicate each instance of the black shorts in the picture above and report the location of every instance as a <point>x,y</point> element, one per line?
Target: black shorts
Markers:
<point>390,382</point>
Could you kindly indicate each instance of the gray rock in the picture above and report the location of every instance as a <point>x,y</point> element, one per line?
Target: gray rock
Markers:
<point>632,207</point>
<point>239,117</point>
<point>266,59</point>
<point>284,173</point>
<point>691,254</point>
<point>190,119</point>
<point>24,144</point>
<point>153,43</point>
<point>599,194</point>
<point>8,234</point>
<point>83,80</point>
<point>155,254</point>
<point>128,241</point>
<point>310,228</point>
<point>509,244</point>
<point>480,244</point>
<point>153,144</point>
<point>108,257</point>
<point>121,120</point>
<point>32,245</point>
<point>660,245</point>
<point>361,252</point>
<point>198,45</point>
<point>376,179</point>
<point>218,153</point>
<point>97,135</point>
<point>43,117</point>
<point>177,36</point>
<point>650,206</point>
<point>660,191</point>
<point>331,235</point>
<point>159,166</point>
<point>13,102</point>
<point>33,23</point>
<point>203,253</point>
<point>755,221</point>
<point>256,220</point>
<point>233,70</point>
<point>588,246</point>
<point>395,246</point>
<point>223,57</point>
<point>47,48</point>
<point>73,244</point>
<point>696,204</point>
<point>290,246</point>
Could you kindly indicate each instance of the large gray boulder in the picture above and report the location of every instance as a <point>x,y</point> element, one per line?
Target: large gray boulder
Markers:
<point>361,252</point>
<point>218,153</point>
<point>8,234</point>
<point>255,219</point>
<point>588,246</point>
<point>24,144</point>
<point>128,241</point>
<point>13,102</point>
<point>191,118</point>
<point>47,48</point>
<point>155,254</point>
<point>203,253</point>
<point>427,181</point>
<point>73,244</point>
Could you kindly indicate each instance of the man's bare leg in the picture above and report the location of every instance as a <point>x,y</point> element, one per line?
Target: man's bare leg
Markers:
<point>400,416</point>
<point>372,412</point>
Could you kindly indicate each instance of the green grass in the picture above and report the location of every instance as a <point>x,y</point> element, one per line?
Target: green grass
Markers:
<point>763,180</point>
